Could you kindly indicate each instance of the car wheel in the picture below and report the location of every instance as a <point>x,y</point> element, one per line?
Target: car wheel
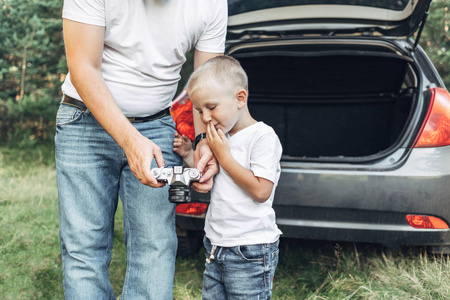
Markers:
<point>189,242</point>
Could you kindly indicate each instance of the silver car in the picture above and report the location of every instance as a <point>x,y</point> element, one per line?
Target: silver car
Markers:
<point>362,114</point>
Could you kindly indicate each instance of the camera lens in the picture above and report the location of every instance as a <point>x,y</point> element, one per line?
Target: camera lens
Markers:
<point>179,194</point>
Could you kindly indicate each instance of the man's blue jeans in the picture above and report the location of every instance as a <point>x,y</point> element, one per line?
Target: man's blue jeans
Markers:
<point>92,172</point>
<point>241,272</point>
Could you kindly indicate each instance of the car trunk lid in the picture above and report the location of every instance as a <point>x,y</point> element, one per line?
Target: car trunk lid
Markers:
<point>255,18</point>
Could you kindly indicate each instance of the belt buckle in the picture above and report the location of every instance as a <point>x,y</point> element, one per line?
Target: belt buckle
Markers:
<point>131,119</point>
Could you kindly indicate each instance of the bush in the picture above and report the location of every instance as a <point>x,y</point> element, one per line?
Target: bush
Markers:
<point>435,39</point>
<point>29,121</point>
<point>32,67</point>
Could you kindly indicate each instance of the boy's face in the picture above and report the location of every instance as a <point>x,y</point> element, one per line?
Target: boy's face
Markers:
<point>216,106</point>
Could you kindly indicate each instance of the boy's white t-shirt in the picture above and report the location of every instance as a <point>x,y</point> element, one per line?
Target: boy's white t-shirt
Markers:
<point>233,217</point>
<point>146,44</point>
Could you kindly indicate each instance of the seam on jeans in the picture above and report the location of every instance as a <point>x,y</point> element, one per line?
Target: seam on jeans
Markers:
<point>128,242</point>
<point>274,256</point>
<point>111,238</point>
<point>266,254</point>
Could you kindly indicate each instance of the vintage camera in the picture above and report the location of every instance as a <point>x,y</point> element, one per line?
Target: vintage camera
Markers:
<point>179,180</point>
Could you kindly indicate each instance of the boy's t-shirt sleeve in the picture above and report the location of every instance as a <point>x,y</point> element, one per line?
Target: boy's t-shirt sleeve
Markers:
<point>85,11</point>
<point>213,38</point>
<point>265,157</point>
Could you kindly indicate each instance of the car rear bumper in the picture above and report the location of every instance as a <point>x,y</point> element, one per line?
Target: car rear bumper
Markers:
<point>367,206</point>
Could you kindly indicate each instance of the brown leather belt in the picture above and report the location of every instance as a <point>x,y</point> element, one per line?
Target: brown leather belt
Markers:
<point>79,104</point>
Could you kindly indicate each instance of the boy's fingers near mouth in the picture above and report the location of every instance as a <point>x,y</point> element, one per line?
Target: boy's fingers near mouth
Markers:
<point>210,131</point>
<point>221,134</point>
<point>213,130</point>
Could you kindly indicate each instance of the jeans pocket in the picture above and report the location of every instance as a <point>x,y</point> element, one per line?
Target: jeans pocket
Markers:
<point>168,120</point>
<point>251,253</point>
<point>67,114</point>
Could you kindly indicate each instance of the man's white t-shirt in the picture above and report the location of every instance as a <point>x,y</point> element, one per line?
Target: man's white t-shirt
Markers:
<point>146,44</point>
<point>234,218</point>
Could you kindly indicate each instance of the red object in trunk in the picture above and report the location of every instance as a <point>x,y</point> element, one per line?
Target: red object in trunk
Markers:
<point>182,115</point>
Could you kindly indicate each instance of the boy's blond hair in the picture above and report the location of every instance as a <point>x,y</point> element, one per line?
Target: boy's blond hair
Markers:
<point>223,72</point>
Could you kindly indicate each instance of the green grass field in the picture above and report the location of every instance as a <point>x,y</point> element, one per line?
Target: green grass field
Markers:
<point>30,262</point>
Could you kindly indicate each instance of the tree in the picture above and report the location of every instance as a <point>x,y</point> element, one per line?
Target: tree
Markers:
<point>436,38</point>
<point>32,52</point>
<point>32,65</point>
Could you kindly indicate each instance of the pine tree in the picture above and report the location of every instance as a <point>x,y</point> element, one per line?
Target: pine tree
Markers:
<point>436,38</point>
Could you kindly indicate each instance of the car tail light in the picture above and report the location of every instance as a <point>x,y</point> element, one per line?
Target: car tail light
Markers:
<point>435,131</point>
<point>426,222</point>
<point>182,115</point>
<point>191,208</point>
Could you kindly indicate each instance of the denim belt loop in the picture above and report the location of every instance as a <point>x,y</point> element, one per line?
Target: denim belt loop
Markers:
<point>211,256</point>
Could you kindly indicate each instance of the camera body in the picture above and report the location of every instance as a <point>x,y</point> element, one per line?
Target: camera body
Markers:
<point>179,179</point>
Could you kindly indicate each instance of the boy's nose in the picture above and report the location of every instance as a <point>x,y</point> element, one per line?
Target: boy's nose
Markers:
<point>206,117</point>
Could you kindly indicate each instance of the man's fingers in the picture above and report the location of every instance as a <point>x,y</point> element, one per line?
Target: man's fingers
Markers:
<point>203,161</point>
<point>203,187</point>
<point>148,177</point>
<point>157,154</point>
<point>152,184</point>
<point>209,174</point>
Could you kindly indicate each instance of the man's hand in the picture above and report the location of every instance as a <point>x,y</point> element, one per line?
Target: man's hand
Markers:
<point>207,165</point>
<point>140,153</point>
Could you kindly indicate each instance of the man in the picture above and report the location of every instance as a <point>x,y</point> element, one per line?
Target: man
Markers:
<point>124,58</point>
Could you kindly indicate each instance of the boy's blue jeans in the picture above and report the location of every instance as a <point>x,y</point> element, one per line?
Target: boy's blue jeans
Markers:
<point>92,171</point>
<point>241,272</point>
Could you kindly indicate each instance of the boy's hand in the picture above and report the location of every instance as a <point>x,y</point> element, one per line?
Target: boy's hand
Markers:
<point>217,142</point>
<point>182,145</point>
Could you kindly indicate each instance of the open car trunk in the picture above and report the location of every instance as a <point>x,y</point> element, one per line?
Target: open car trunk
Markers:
<point>349,104</point>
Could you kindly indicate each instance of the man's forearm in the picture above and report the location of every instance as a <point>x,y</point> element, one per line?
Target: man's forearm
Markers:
<point>98,99</point>
<point>84,49</point>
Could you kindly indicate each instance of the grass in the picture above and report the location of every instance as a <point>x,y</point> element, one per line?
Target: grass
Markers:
<point>30,261</point>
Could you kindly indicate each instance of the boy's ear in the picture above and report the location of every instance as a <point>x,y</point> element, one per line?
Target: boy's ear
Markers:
<point>241,97</point>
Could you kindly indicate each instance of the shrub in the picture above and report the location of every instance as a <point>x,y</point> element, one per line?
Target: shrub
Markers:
<point>28,121</point>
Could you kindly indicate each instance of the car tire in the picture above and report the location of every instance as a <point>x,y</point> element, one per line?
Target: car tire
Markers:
<point>189,242</point>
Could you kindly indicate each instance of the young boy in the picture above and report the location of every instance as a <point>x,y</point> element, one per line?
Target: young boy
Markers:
<point>241,238</point>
